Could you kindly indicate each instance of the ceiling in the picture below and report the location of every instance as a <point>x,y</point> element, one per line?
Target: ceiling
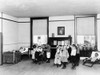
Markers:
<point>39,8</point>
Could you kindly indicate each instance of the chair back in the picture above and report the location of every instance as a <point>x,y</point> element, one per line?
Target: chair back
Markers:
<point>93,54</point>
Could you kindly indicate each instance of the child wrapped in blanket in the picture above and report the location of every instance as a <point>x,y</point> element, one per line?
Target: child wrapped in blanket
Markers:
<point>64,56</point>
<point>57,60</point>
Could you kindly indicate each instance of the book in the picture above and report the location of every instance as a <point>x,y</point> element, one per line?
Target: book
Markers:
<point>54,42</point>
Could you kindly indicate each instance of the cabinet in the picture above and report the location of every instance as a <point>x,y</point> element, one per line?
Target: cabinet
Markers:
<point>54,41</point>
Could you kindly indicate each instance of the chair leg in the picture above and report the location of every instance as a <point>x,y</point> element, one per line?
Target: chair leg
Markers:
<point>84,63</point>
<point>92,64</point>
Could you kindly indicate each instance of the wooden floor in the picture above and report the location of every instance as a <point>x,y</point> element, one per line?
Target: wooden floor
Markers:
<point>26,67</point>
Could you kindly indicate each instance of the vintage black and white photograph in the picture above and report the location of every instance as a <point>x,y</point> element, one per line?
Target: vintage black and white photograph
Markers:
<point>49,37</point>
<point>61,30</point>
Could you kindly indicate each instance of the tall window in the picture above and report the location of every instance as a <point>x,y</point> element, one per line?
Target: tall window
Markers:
<point>39,30</point>
<point>86,32</point>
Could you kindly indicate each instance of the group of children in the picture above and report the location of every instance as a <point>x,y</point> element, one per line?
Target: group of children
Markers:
<point>66,54</point>
<point>40,54</point>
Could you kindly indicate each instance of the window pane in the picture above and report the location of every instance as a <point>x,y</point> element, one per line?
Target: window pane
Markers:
<point>85,26</point>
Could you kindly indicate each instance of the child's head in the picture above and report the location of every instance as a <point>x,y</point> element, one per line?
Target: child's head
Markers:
<point>34,46</point>
<point>60,48</point>
<point>58,53</point>
<point>96,54</point>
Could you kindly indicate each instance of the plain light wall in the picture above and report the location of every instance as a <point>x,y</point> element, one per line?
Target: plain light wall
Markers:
<point>61,21</point>
<point>98,31</point>
<point>0,22</point>
<point>61,18</point>
<point>6,16</point>
<point>98,34</point>
<point>16,32</point>
<point>23,32</point>
<point>10,33</point>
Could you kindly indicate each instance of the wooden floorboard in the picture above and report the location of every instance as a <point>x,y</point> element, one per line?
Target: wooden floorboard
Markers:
<point>26,67</point>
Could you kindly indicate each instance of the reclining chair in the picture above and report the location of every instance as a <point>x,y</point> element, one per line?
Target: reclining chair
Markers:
<point>94,59</point>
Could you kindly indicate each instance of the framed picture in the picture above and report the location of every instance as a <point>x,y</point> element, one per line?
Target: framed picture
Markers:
<point>61,30</point>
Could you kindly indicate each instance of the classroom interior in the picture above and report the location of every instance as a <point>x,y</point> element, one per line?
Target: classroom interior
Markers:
<point>24,23</point>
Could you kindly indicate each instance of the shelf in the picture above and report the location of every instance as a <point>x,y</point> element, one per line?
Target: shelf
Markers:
<point>59,40</point>
<point>53,47</point>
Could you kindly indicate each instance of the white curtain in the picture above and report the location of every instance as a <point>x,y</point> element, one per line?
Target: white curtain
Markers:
<point>40,30</point>
<point>85,26</point>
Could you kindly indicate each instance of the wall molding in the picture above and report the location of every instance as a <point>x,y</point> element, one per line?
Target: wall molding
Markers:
<point>23,42</point>
<point>10,43</point>
<point>17,43</point>
<point>14,20</point>
<point>8,19</point>
<point>24,22</point>
<point>85,16</point>
<point>98,18</point>
<point>60,20</point>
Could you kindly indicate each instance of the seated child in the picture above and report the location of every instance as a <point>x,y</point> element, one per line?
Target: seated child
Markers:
<point>38,54</point>
<point>33,52</point>
<point>48,54</point>
<point>91,59</point>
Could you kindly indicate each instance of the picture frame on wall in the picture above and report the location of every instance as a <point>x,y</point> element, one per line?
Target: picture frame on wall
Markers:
<point>61,30</point>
